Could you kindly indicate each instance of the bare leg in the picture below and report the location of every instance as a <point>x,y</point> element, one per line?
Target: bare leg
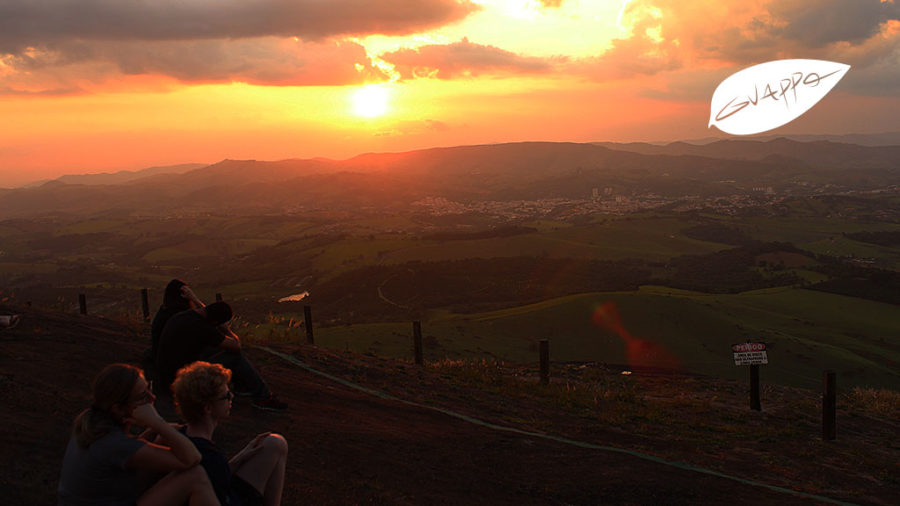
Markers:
<point>190,486</point>
<point>265,469</point>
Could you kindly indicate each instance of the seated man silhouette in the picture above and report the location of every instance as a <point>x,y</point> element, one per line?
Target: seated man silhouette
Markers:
<point>200,333</point>
<point>177,297</point>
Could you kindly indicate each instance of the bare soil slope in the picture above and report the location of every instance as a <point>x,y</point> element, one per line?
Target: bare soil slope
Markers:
<point>350,447</point>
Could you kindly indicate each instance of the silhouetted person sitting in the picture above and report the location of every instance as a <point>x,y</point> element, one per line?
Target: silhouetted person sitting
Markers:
<point>255,475</point>
<point>103,465</point>
<point>200,334</point>
<point>177,297</point>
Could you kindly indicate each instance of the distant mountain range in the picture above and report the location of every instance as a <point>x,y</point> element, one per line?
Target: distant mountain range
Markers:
<point>514,171</point>
<point>120,177</point>
<point>821,154</point>
<point>877,139</point>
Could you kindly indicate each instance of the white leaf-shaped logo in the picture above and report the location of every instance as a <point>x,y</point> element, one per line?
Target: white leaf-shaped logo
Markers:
<point>768,95</point>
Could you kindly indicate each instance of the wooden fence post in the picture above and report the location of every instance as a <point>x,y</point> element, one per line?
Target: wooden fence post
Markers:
<point>754,388</point>
<point>829,407</point>
<point>417,343</point>
<point>545,361</point>
<point>307,319</point>
<point>145,303</point>
<point>82,303</point>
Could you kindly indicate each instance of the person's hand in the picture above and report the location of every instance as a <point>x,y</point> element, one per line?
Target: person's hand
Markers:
<point>145,415</point>
<point>252,448</point>
<point>259,439</point>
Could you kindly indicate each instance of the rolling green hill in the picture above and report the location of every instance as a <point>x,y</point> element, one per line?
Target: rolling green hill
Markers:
<point>807,332</point>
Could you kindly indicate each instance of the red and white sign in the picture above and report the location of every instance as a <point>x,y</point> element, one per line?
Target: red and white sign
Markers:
<point>750,354</point>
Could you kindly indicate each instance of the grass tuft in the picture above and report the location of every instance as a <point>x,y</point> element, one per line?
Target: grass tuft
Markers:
<point>874,401</point>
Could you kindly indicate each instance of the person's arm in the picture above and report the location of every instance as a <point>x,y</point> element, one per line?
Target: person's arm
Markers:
<point>189,294</point>
<point>218,335</point>
<point>226,331</point>
<point>231,343</point>
<point>179,454</point>
<point>152,436</point>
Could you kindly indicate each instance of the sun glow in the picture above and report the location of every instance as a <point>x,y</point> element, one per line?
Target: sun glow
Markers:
<point>522,9</point>
<point>370,101</point>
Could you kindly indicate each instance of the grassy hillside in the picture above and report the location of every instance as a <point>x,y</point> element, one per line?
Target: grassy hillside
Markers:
<point>807,332</point>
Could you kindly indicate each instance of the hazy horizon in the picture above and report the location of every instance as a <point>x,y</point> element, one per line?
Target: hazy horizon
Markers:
<point>12,184</point>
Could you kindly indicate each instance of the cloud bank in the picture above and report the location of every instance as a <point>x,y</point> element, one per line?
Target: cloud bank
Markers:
<point>695,41</point>
<point>26,23</point>
<point>63,46</point>
<point>67,46</point>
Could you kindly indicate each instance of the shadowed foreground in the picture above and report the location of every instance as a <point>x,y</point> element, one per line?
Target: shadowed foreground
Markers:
<point>346,447</point>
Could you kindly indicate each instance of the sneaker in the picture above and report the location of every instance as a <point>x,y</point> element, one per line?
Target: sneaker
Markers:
<point>9,321</point>
<point>270,404</point>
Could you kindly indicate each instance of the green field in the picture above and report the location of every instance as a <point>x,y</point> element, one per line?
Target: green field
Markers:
<point>647,238</point>
<point>823,236</point>
<point>198,248</point>
<point>254,260</point>
<point>807,332</point>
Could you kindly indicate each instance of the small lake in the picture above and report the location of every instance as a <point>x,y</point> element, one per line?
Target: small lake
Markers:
<point>294,298</point>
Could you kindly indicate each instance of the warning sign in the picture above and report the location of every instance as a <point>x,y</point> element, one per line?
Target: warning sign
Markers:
<point>750,354</point>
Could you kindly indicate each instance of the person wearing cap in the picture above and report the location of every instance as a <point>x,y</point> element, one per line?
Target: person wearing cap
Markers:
<point>201,333</point>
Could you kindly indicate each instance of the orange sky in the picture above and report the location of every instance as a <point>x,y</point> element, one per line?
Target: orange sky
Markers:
<point>105,85</point>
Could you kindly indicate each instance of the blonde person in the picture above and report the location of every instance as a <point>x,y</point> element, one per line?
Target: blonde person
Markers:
<point>255,475</point>
<point>104,465</point>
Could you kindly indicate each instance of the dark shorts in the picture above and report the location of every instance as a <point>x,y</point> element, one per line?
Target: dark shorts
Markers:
<point>243,493</point>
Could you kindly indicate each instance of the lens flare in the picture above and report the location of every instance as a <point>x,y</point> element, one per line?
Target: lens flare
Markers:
<point>639,352</point>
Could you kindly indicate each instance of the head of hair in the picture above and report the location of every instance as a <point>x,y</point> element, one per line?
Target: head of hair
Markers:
<point>172,296</point>
<point>196,386</point>
<point>112,393</point>
<point>218,313</point>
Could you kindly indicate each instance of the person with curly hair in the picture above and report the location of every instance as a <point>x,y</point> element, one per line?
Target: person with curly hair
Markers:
<point>104,465</point>
<point>255,475</point>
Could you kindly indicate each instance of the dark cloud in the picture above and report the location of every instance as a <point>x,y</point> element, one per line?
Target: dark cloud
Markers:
<point>267,61</point>
<point>816,23</point>
<point>787,29</point>
<point>690,34</point>
<point>462,59</point>
<point>26,23</point>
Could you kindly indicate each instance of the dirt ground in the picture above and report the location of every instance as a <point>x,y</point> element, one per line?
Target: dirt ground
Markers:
<point>350,447</point>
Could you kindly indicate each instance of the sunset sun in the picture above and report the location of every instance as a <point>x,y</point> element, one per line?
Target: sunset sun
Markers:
<point>370,101</point>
